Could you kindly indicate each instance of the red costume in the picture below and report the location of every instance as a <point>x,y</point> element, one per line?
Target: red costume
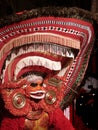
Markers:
<point>43,58</point>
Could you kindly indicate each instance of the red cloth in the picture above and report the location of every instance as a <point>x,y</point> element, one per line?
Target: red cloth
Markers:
<point>57,119</point>
<point>12,124</point>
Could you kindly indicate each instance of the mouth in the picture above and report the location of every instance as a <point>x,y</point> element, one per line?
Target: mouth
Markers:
<point>46,57</point>
<point>37,95</point>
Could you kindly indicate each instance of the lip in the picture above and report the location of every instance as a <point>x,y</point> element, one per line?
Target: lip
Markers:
<point>37,94</point>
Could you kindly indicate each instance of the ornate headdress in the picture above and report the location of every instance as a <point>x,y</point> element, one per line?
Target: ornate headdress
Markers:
<point>56,42</point>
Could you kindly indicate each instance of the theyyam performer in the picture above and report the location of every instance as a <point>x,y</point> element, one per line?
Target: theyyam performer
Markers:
<point>44,54</point>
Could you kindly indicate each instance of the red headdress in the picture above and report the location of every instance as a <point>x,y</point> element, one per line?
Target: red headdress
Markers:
<point>52,42</point>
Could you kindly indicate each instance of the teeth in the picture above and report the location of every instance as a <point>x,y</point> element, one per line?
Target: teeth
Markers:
<point>20,51</point>
<point>41,47</point>
<point>46,48</point>
<point>13,55</point>
<point>30,62</point>
<point>37,60</point>
<point>30,49</point>
<point>63,71</point>
<point>64,50</point>
<point>58,50</point>
<point>7,62</point>
<point>69,54</point>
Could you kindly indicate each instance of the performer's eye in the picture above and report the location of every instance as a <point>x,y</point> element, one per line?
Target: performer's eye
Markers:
<point>34,84</point>
<point>41,84</point>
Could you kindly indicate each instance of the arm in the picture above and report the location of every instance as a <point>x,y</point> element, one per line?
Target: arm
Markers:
<point>12,124</point>
<point>59,121</point>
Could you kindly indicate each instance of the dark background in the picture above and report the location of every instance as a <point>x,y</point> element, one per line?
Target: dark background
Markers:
<point>8,7</point>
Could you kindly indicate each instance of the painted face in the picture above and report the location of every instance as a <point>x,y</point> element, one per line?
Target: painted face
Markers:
<point>35,89</point>
<point>57,49</point>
